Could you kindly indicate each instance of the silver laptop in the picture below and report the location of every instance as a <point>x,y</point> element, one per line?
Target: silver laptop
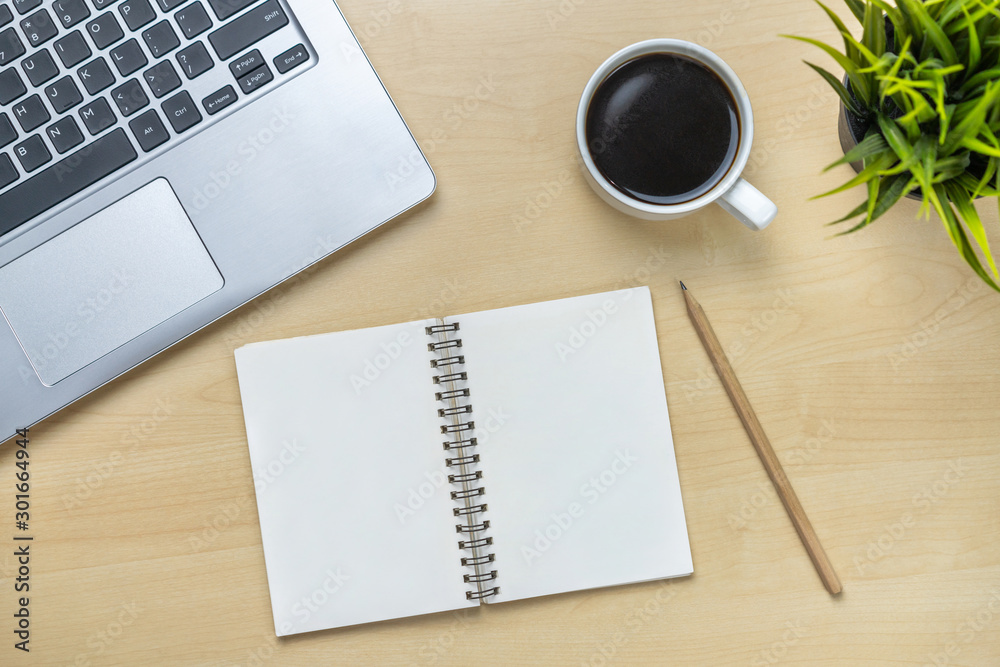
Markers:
<point>163,162</point>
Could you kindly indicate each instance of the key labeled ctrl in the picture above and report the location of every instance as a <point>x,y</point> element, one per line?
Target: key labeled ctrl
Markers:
<point>181,112</point>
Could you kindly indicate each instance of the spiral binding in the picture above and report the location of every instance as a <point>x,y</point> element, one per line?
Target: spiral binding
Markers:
<point>460,427</point>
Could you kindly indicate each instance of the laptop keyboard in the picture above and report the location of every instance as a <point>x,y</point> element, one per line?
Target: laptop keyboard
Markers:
<point>89,87</point>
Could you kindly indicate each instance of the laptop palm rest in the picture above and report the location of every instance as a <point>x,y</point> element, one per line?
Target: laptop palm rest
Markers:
<point>105,281</point>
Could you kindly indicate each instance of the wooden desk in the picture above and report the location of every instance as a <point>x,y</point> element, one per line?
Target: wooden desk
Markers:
<point>873,362</point>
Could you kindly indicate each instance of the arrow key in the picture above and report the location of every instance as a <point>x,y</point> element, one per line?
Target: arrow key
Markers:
<point>219,100</point>
<point>291,58</point>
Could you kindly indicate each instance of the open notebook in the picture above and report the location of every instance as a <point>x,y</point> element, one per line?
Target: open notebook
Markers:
<point>440,464</point>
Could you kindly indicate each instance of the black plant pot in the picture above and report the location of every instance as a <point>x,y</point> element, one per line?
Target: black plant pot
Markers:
<point>853,129</point>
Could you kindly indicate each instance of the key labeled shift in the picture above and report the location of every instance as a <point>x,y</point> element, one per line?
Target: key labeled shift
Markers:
<point>248,29</point>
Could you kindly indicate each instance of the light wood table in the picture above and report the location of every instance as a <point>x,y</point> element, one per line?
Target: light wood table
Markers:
<point>873,362</point>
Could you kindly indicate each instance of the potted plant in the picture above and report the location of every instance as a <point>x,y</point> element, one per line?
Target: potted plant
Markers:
<point>920,112</point>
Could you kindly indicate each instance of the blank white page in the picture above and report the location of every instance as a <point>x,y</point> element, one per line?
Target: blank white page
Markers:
<point>575,444</point>
<point>355,514</point>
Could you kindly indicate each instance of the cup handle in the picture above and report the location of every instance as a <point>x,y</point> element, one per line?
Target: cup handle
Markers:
<point>748,205</point>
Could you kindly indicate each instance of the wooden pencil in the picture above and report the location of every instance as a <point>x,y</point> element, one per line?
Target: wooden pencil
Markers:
<point>763,446</point>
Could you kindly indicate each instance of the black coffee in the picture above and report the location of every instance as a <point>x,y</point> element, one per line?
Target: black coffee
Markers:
<point>663,128</point>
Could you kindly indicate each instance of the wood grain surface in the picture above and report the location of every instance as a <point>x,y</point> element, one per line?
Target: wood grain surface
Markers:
<point>873,362</point>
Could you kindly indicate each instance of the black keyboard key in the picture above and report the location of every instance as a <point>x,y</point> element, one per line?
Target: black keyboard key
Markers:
<point>219,100</point>
<point>30,113</point>
<point>8,173</point>
<point>25,6</point>
<point>63,95</point>
<point>136,13</point>
<point>101,4</point>
<point>226,8</point>
<point>162,78</point>
<point>161,39</point>
<point>10,46</point>
<point>97,116</point>
<point>168,5</point>
<point>7,131</point>
<point>64,179</point>
<point>38,28</point>
<point>105,30</point>
<point>128,57</point>
<point>70,12</point>
<point>255,79</point>
<point>11,86</point>
<point>6,16</point>
<point>291,58</point>
<point>246,63</point>
<point>193,20</point>
<point>194,60</point>
<point>39,67</point>
<point>248,29</point>
<point>64,134</point>
<point>181,112</point>
<point>95,76</point>
<point>148,130</point>
<point>32,153</point>
<point>72,49</point>
<point>130,97</point>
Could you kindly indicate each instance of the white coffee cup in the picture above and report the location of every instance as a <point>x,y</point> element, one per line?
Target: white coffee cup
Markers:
<point>733,193</point>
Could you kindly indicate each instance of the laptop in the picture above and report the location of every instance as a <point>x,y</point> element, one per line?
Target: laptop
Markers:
<point>163,162</point>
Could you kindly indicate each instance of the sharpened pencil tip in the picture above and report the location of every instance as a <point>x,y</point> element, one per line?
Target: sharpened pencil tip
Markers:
<point>683,286</point>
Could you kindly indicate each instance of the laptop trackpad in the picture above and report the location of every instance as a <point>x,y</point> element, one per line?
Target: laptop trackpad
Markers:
<point>101,283</point>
